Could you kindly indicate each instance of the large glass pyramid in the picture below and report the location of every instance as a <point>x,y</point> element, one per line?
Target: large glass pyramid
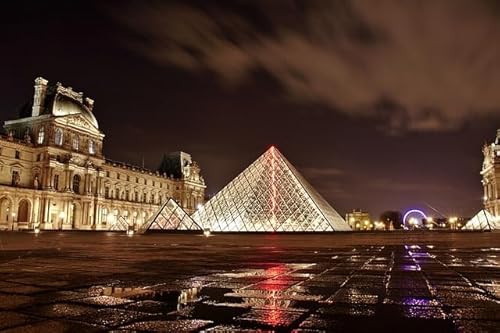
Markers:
<point>482,221</point>
<point>270,195</point>
<point>170,217</point>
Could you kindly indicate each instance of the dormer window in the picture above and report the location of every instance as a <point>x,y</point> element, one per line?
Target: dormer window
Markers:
<point>76,142</point>
<point>58,139</point>
<point>91,147</point>
<point>41,135</point>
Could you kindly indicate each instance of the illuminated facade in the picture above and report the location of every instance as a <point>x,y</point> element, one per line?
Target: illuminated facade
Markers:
<point>491,176</point>
<point>270,195</point>
<point>53,174</point>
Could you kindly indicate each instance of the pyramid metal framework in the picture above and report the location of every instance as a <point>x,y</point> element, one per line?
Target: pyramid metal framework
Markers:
<point>482,221</point>
<point>270,195</point>
<point>170,217</point>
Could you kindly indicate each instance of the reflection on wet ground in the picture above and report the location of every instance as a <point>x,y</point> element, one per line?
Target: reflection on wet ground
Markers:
<point>180,283</point>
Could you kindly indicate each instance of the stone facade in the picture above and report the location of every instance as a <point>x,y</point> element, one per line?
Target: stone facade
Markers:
<point>491,176</point>
<point>53,174</point>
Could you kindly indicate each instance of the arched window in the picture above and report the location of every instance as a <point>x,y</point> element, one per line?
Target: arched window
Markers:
<point>76,183</point>
<point>91,147</point>
<point>41,135</point>
<point>76,142</point>
<point>58,139</point>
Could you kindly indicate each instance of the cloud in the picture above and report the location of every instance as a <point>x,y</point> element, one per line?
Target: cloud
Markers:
<point>419,65</point>
<point>327,172</point>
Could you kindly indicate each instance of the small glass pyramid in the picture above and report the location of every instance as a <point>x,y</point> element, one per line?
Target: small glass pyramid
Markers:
<point>482,221</point>
<point>120,224</point>
<point>270,195</point>
<point>170,217</point>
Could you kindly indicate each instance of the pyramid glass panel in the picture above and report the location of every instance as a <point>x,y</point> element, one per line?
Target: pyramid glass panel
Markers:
<point>170,217</point>
<point>269,195</point>
<point>483,221</point>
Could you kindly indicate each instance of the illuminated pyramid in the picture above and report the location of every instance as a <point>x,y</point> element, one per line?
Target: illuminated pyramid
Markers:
<point>269,195</point>
<point>482,221</point>
<point>170,217</point>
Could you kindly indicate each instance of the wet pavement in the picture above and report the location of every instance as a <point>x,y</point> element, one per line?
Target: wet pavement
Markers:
<point>82,281</point>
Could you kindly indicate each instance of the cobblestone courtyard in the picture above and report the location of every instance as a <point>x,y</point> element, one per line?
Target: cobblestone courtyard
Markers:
<point>399,282</point>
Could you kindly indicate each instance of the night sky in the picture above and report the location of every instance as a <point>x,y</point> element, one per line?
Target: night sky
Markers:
<point>381,104</point>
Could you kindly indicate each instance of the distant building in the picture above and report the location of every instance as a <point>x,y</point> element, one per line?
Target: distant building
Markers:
<point>491,176</point>
<point>359,220</point>
<point>53,173</point>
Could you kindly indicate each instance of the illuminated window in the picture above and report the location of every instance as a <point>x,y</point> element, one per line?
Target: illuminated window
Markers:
<point>76,142</point>
<point>58,139</point>
<point>104,215</point>
<point>91,147</point>
<point>41,135</point>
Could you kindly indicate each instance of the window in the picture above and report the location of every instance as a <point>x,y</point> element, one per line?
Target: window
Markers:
<point>106,192</point>
<point>91,147</point>
<point>41,135</point>
<point>38,157</point>
<point>76,183</point>
<point>18,155</point>
<point>136,196</point>
<point>15,178</point>
<point>76,142</point>
<point>128,178</point>
<point>56,182</point>
<point>107,174</point>
<point>127,195</point>
<point>58,139</point>
<point>104,215</point>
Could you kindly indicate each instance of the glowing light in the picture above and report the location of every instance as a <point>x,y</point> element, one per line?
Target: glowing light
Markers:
<point>37,231</point>
<point>413,211</point>
<point>274,189</point>
<point>130,232</point>
<point>206,232</point>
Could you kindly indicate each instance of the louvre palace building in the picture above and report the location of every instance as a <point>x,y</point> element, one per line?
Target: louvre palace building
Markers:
<point>54,176</point>
<point>490,173</point>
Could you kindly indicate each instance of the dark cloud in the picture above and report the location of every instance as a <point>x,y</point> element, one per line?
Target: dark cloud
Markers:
<point>437,61</point>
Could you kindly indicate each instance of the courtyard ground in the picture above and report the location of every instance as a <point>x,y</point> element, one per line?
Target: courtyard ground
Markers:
<point>399,282</point>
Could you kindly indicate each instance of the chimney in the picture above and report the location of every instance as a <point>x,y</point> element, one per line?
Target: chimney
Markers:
<point>39,97</point>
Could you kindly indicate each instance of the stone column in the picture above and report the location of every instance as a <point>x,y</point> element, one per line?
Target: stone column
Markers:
<point>85,213</point>
<point>69,187</point>
<point>35,212</point>
<point>46,212</point>
<point>86,184</point>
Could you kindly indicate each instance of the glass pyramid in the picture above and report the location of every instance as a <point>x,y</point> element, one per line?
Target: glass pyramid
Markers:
<point>269,195</point>
<point>170,217</point>
<point>120,224</point>
<point>482,221</point>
